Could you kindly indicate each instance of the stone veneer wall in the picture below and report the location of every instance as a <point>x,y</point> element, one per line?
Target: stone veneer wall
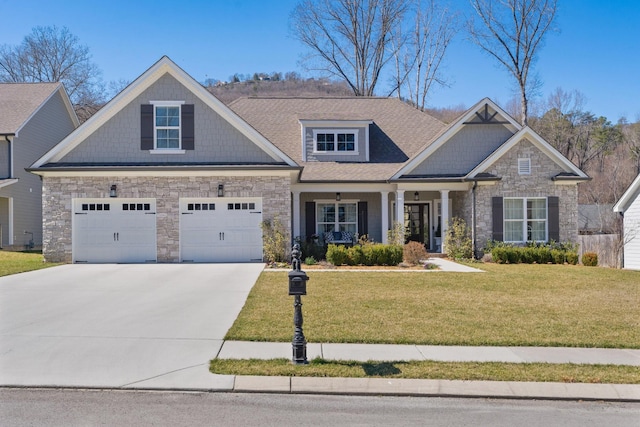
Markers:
<point>537,184</point>
<point>58,193</point>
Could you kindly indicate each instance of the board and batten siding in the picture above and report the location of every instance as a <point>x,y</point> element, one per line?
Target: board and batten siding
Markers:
<point>45,129</point>
<point>632,235</point>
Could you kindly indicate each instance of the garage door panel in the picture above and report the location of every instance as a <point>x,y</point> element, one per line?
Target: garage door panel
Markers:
<point>226,231</point>
<point>108,230</point>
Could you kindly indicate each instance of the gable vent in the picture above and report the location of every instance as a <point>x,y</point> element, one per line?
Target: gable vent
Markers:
<point>524,166</point>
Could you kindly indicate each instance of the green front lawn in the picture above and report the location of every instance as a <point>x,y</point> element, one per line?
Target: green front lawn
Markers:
<point>508,305</point>
<point>19,262</point>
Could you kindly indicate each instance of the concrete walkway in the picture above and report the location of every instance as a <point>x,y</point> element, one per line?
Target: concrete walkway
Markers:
<point>394,353</point>
<point>417,387</point>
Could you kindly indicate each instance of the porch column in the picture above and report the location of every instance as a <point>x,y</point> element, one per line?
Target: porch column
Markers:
<point>295,220</point>
<point>384,209</point>
<point>399,208</point>
<point>444,203</point>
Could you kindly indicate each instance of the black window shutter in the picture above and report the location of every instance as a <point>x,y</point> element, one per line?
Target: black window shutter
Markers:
<point>188,128</point>
<point>553,204</point>
<point>310,218</point>
<point>498,216</point>
<point>363,218</point>
<point>146,127</point>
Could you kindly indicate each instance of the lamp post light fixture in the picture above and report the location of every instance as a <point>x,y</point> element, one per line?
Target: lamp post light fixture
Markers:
<point>113,191</point>
<point>338,197</point>
<point>416,196</point>
<point>220,190</point>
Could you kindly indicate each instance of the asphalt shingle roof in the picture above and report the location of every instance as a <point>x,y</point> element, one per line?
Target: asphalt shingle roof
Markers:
<point>18,101</point>
<point>397,134</point>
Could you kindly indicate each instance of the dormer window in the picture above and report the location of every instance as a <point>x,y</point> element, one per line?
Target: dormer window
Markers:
<point>335,141</point>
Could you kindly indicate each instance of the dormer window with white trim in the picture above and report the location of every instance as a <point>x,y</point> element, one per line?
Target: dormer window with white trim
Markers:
<point>524,166</point>
<point>335,141</point>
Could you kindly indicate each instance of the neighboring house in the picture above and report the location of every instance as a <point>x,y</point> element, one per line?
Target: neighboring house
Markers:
<point>597,219</point>
<point>33,118</point>
<point>167,173</point>
<point>629,207</point>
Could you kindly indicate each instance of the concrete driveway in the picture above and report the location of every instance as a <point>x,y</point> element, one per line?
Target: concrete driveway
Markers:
<point>119,325</point>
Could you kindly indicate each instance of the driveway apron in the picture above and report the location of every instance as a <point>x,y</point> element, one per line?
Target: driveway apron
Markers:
<point>118,325</point>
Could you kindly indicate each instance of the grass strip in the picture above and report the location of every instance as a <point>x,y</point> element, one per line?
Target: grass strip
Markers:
<point>538,372</point>
<point>20,262</point>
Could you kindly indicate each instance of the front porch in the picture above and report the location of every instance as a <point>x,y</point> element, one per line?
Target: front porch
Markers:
<point>372,210</point>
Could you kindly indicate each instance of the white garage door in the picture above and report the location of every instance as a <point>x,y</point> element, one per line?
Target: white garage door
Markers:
<point>220,230</point>
<point>114,230</point>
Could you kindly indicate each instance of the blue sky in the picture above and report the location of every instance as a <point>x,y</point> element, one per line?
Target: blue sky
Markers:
<point>597,50</point>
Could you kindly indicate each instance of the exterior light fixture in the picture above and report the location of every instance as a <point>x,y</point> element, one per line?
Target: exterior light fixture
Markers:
<point>338,197</point>
<point>113,192</point>
<point>416,196</point>
<point>220,190</point>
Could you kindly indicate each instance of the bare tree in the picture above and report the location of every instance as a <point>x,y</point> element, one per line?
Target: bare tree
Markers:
<point>511,31</point>
<point>422,51</point>
<point>52,54</point>
<point>348,39</point>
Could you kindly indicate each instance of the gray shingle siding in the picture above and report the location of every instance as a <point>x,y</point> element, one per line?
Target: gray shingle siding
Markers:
<point>464,151</point>
<point>118,140</point>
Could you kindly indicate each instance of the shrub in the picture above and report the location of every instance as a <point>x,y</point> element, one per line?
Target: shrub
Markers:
<point>311,249</point>
<point>337,254</point>
<point>539,253</point>
<point>414,252</point>
<point>572,257</point>
<point>275,245</point>
<point>356,255</point>
<point>310,260</point>
<point>590,259</point>
<point>457,240</point>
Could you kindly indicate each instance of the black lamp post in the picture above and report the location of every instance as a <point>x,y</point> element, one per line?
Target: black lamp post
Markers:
<point>298,287</point>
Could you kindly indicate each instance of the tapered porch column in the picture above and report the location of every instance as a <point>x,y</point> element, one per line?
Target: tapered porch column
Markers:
<point>384,209</point>
<point>444,195</point>
<point>295,220</point>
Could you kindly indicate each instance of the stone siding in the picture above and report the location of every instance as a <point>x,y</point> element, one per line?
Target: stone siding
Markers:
<point>537,184</point>
<point>59,192</point>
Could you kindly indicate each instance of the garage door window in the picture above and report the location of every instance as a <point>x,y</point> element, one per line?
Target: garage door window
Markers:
<point>201,207</point>
<point>95,207</point>
<point>241,206</point>
<point>136,207</point>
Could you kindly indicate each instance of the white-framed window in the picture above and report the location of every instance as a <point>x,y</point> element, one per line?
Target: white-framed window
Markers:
<point>336,216</point>
<point>167,125</point>
<point>335,141</point>
<point>524,166</point>
<point>525,219</point>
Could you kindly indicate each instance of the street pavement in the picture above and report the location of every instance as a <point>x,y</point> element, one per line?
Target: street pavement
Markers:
<point>155,327</point>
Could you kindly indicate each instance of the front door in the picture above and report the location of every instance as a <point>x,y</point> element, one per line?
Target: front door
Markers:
<point>416,222</point>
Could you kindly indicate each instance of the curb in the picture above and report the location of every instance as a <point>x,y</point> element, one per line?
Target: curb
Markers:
<point>629,393</point>
<point>438,388</point>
